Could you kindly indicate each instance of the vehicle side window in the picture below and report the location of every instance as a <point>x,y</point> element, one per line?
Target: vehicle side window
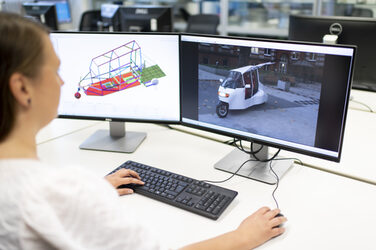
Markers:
<point>238,80</point>
<point>247,78</point>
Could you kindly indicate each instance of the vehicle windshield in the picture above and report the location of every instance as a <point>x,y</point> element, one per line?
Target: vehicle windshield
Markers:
<point>233,80</point>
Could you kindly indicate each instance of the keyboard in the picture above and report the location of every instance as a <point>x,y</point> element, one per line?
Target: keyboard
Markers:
<point>180,191</point>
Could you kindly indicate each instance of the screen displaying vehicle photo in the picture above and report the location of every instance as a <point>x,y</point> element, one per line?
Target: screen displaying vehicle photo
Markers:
<point>268,92</point>
<point>291,95</point>
<point>124,76</point>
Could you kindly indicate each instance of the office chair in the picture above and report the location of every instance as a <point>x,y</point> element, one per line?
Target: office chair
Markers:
<point>203,23</point>
<point>89,20</point>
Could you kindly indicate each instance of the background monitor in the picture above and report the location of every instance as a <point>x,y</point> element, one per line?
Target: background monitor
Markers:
<point>62,10</point>
<point>42,11</point>
<point>289,95</point>
<point>110,17</point>
<point>348,30</point>
<point>146,18</point>
<point>119,78</point>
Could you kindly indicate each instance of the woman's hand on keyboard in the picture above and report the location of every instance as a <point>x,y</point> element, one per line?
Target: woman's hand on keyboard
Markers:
<point>124,177</point>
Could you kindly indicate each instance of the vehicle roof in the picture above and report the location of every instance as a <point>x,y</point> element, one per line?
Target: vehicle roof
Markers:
<point>250,67</point>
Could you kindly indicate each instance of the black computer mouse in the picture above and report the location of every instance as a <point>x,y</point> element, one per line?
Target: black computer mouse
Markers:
<point>279,215</point>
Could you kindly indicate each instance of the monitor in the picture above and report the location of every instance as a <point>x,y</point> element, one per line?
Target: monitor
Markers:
<point>288,95</point>
<point>110,17</point>
<point>43,12</point>
<point>146,18</point>
<point>345,30</point>
<point>118,78</point>
<point>62,10</point>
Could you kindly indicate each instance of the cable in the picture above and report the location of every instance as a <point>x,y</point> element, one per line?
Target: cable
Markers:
<point>276,185</point>
<point>233,174</point>
<point>365,105</point>
<point>277,178</point>
<point>253,153</point>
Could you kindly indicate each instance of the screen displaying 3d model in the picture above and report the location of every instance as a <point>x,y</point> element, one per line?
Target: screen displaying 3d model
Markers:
<point>125,76</point>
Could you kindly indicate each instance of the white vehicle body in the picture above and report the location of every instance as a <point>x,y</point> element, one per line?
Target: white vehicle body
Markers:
<point>241,89</point>
<point>248,90</point>
<point>234,100</point>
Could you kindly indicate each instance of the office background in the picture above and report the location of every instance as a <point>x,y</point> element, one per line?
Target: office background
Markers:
<point>268,18</point>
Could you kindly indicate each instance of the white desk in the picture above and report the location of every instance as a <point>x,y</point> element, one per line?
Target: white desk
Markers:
<point>325,211</point>
<point>60,127</point>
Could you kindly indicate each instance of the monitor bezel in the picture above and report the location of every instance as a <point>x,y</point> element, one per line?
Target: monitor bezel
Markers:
<point>265,142</point>
<point>113,119</point>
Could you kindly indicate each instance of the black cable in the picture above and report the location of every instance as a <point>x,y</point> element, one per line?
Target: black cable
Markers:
<point>276,184</point>
<point>253,153</point>
<point>277,178</point>
<point>266,160</point>
<point>233,174</point>
<point>365,105</point>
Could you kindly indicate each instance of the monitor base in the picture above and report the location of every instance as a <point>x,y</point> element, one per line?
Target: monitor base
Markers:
<point>114,140</point>
<point>255,170</point>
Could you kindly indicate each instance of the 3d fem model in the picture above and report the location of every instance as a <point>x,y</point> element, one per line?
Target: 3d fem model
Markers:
<point>118,69</point>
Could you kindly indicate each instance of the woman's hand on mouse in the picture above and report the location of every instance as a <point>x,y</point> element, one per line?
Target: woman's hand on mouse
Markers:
<point>261,226</point>
<point>123,177</point>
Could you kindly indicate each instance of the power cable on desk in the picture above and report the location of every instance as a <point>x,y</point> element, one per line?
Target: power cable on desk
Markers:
<point>365,105</point>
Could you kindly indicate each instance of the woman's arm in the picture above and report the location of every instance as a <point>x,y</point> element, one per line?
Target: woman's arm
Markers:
<point>252,232</point>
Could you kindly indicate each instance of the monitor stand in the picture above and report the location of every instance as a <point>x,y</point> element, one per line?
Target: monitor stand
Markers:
<point>256,170</point>
<point>115,140</point>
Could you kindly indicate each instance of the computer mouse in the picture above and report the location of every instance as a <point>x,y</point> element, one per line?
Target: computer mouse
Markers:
<point>279,215</point>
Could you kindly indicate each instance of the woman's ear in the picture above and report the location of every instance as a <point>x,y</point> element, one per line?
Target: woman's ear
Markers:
<point>20,87</point>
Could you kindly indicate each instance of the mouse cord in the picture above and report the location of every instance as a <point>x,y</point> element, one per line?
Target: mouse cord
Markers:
<point>276,184</point>
<point>296,160</point>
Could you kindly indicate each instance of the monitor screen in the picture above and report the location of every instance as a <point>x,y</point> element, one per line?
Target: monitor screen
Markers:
<point>289,95</point>
<point>146,18</point>
<point>43,12</point>
<point>126,77</point>
<point>350,30</point>
<point>62,10</point>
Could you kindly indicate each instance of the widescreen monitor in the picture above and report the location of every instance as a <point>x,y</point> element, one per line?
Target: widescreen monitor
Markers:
<point>146,18</point>
<point>119,78</point>
<point>288,95</point>
<point>349,30</point>
<point>43,12</point>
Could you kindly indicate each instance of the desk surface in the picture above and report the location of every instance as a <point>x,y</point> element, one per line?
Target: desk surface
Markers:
<point>325,211</point>
<point>61,127</point>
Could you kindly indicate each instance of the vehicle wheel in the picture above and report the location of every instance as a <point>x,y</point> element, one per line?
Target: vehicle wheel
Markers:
<point>222,109</point>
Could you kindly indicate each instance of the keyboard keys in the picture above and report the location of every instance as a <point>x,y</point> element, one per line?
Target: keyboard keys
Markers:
<point>193,195</point>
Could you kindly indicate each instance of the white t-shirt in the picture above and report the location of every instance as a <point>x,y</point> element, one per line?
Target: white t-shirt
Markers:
<point>42,207</point>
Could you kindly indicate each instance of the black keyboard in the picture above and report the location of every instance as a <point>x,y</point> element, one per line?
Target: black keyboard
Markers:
<point>195,196</point>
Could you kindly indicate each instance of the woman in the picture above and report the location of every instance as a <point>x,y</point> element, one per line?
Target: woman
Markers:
<point>50,208</point>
